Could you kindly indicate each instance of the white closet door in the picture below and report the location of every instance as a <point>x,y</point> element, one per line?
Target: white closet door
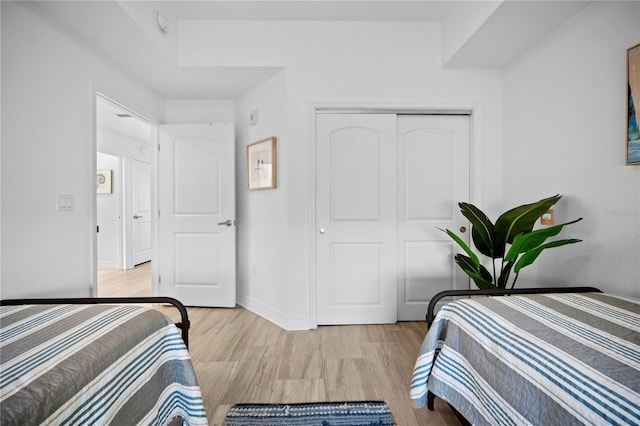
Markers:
<point>384,184</point>
<point>433,176</point>
<point>356,218</point>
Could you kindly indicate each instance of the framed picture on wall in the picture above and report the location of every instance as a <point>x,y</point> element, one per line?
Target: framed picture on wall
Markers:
<point>261,164</point>
<point>633,105</point>
<point>103,181</point>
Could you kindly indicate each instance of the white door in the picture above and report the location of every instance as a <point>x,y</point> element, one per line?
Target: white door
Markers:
<point>384,184</point>
<point>433,176</point>
<point>356,218</point>
<point>196,225</point>
<point>141,199</point>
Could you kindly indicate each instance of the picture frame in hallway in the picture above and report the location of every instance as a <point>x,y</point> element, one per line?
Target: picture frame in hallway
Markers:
<point>103,181</point>
<point>633,105</point>
<point>261,164</point>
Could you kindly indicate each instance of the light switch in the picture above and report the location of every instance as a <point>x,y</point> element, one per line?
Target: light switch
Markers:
<point>65,203</point>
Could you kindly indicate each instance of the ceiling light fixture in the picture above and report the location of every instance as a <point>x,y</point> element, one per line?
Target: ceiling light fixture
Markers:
<point>163,22</point>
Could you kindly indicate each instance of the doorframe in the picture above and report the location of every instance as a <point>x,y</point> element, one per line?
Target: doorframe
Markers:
<point>474,111</point>
<point>100,92</point>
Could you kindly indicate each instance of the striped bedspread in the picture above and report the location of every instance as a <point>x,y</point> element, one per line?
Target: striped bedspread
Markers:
<point>543,359</point>
<point>94,365</point>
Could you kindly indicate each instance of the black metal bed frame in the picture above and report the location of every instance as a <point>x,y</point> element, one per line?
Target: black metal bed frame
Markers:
<point>183,325</point>
<point>493,292</point>
<point>501,292</point>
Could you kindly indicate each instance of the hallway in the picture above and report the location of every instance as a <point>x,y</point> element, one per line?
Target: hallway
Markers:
<point>134,282</point>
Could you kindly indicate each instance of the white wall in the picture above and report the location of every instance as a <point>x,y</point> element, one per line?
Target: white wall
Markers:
<point>48,148</point>
<point>564,132</point>
<point>109,214</point>
<point>337,63</point>
<point>199,111</point>
<point>262,215</point>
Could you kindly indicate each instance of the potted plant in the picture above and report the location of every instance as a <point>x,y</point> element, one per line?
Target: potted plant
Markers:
<point>511,241</point>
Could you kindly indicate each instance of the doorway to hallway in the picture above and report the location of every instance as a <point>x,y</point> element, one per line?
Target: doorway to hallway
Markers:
<point>124,200</point>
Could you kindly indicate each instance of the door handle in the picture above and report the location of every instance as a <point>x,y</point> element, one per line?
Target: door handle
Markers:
<point>137,217</point>
<point>227,222</point>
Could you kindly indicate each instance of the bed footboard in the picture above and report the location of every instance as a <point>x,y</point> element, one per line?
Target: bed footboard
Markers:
<point>501,292</point>
<point>183,325</point>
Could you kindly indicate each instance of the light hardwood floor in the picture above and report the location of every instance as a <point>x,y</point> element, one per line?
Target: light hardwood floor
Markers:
<point>240,357</point>
<point>134,282</point>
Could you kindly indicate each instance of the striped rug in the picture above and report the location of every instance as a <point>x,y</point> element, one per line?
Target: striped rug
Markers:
<point>310,414</point>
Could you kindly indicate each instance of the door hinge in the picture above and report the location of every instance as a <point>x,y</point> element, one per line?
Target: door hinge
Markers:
<point>159,279</point>
<point>158,147</point>
<point>98,229</point>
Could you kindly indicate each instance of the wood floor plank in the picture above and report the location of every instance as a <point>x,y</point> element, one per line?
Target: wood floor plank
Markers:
<point>256,376</point>
<point>298,390</point>
<point>349,379</point>
<point>395,382</point>
<point>210,377</point>
<point>302,358</point>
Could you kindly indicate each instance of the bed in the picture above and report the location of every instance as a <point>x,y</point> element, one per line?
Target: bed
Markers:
<point>537,356</point>
<point>96,361</point>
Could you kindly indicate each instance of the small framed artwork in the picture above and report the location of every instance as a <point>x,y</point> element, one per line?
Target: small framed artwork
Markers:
<point>261,164</point>
<point>103,181</point>
<point>633,105</point>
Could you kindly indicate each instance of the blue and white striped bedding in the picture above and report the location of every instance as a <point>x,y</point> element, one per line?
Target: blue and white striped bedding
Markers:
<point>542,359</point>
<point>94,364</point>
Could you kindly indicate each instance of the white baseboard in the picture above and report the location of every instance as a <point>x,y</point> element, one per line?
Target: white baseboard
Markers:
<point>286,322</point>
<point>109,265</point>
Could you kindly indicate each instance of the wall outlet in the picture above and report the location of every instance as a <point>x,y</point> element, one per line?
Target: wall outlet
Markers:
<point>547,218</point>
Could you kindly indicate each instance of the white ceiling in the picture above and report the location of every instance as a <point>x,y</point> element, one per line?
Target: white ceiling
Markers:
<point>126,34</point>
<point>110,116</point>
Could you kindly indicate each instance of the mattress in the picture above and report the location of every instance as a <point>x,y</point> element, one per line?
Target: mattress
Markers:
<point>94,364</point>
<point>542,359</point>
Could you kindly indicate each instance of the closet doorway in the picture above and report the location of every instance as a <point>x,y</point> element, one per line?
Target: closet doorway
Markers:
<point>385,183</point>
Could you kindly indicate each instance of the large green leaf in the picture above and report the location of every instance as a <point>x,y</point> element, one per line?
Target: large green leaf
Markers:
<point>463,245</point>
<point>478,273</point>
<point>530,256</point>
<point>521,219</point>
<point>504,275</point>
<point>482,232</point>
<point>525,242</point>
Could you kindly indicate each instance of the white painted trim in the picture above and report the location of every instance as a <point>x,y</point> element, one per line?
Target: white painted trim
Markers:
<point>311,167</point>
<point>155,143</point>
<point>282,320</point>
<point>109,265</point>
<point>91,187</point>
<point>444,107</point>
